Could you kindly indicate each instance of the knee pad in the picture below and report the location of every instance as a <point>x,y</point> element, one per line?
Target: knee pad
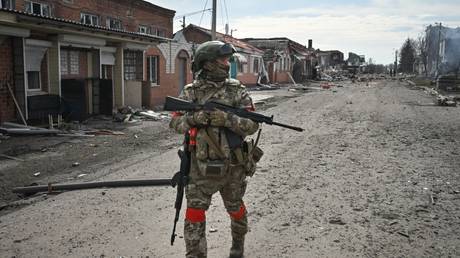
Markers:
<point>195,215</point>
<point>238,215</point>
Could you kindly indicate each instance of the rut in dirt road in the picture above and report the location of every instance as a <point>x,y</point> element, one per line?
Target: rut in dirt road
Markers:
<point>375,174</point>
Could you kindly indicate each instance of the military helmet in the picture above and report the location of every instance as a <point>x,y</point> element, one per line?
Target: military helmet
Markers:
<point>211,50</point>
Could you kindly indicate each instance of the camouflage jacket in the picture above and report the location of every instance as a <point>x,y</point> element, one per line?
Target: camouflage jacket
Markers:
<point>230,92</point>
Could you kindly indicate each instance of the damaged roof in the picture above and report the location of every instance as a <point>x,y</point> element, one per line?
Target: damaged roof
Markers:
<point>229,39</point>
<point>279,43</point>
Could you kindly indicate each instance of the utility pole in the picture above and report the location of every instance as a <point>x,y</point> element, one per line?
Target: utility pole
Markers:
<point>439,49</point>
<point>213,23</point>
<point>396,63</point>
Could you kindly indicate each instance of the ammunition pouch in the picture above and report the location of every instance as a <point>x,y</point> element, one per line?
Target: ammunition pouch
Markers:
<point>251,155</point>
<point>215,168</point>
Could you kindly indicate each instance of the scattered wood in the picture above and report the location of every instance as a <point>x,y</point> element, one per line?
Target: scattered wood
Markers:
<point>74,135</point>
<point>16,103</point>
<point>10,157</point>
<point>403,234</point>
<point>28,131</point>
<point>107,132</point>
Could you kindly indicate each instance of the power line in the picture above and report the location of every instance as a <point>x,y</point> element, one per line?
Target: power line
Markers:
<point>226,12</point>
<point>222,17</point>
<point>204,8</point>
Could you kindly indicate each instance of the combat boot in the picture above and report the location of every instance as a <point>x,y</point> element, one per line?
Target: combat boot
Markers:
<point>237,250</point>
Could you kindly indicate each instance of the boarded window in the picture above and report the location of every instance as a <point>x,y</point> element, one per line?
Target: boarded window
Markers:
<point>133,65</point>
<point>153,69</point>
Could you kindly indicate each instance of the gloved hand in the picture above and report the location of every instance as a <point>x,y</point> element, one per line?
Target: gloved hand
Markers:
<point>219,118</point>
<point>198,118</point>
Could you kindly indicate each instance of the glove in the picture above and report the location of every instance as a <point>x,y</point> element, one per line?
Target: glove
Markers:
<point>219,118</point>
<point>198,118</point>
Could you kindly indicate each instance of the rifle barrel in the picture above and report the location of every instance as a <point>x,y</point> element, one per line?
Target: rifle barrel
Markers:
<point>91,185</point>
<point>289,126</point>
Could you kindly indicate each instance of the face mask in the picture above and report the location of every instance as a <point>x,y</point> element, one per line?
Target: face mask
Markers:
<point>215,71</point>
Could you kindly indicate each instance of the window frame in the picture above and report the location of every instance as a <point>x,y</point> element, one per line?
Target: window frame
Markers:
<point>147,29</point>
<point>67,53</point>
<point>255,64</point>
<point>91,16</point>
<point>133,65</point>
<point>109,21</point>
<point>7,4</point>
<point>39,81</point>
<point>29,8</point>
<point>156,60</point>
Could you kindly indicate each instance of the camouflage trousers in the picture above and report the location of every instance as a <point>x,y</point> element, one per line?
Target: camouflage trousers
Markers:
<point>231,186</point>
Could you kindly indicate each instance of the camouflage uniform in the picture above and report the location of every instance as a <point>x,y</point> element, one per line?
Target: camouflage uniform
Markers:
<point>202,184</point>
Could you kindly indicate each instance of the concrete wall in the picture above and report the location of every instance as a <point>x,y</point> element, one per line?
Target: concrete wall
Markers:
<point>133,94</point>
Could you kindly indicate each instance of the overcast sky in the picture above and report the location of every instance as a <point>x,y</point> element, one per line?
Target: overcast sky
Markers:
<point>374,28</point>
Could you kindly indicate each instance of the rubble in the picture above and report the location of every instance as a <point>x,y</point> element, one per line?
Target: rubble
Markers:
<point>446,101</point>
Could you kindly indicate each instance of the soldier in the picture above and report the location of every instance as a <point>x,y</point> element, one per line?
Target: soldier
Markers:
<point>217,165</point>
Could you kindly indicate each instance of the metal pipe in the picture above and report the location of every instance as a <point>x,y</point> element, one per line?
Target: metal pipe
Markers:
<point>92,185</point>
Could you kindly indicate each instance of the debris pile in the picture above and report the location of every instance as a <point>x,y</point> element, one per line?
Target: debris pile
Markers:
<point>446,101</point>
<point>131,115</point>
<point>448,83</point>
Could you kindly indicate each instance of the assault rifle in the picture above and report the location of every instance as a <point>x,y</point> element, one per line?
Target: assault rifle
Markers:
<point>179,180</point>
<point>176,104</point>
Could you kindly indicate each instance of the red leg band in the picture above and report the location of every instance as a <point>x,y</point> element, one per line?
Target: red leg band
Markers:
<point>237,215</point>
<point>195,215</point>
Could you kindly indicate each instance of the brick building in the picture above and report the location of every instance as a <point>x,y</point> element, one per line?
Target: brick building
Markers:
<point>248,66</point>
<point>87,57</point>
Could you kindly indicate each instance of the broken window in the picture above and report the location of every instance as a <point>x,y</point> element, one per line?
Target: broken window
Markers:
<point>113,23</point>
<point>7,4</point>
<point>133,65</point>
<point>37,8</point>
<point>89,19</point>
<point>153,69</point>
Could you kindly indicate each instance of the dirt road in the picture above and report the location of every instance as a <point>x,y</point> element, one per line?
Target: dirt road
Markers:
<point>375,174</point>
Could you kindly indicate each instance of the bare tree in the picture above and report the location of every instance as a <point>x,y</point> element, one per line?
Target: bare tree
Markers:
<point>422,51</point>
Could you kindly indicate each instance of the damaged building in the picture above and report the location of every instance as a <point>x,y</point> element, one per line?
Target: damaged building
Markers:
<point>355,63</point>
<point>443,50</point>
<point>247,66</point>
<point>286,60</point>
<point>330,59</point>
<point>83,58</point>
